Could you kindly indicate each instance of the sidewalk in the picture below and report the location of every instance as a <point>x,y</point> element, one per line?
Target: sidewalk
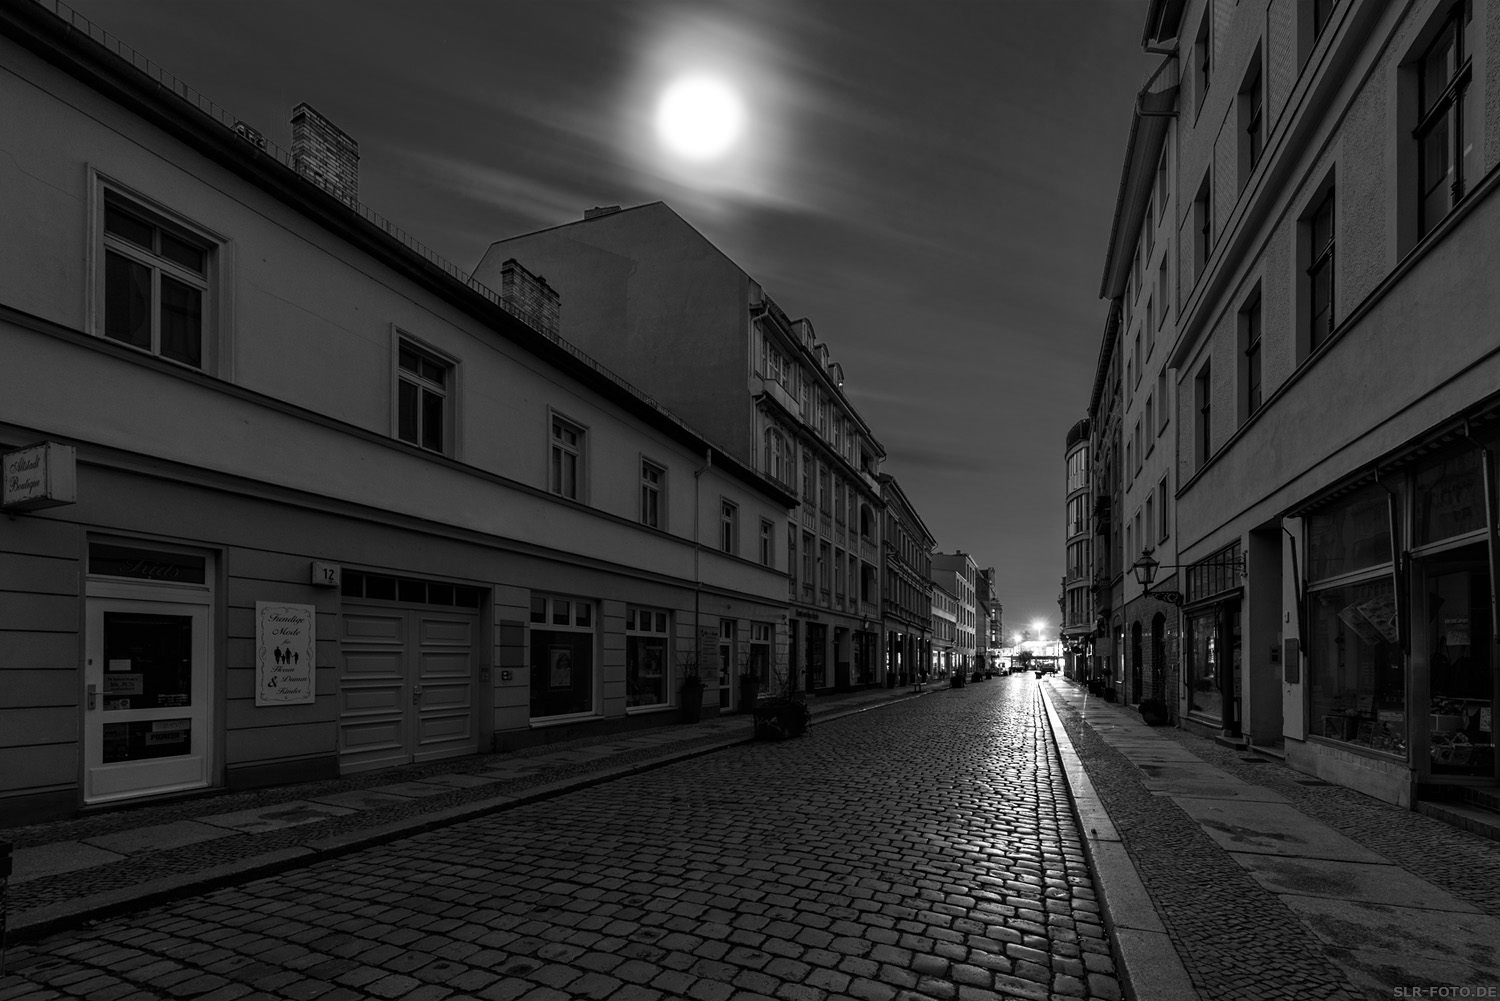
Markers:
<point>1227,875</point>
<point>70,871</point>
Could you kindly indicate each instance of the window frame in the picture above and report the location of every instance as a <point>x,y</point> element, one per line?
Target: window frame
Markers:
<point>1321,266</point>
<point>1250,328</point>
<point>578,449</point>
<point>729,527</point>
<point>211,283</point>
<point>1449,107</point>
<point>767,543</point>
<point>653,494</point>
<point>446,391</point>
<point>1203,406</point>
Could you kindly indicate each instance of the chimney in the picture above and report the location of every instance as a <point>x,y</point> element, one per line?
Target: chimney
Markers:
<point>599,210</point>
<point>529,297</point>
<point>325,154</point>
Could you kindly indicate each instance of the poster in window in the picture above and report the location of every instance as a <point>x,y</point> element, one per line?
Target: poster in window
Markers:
<point>560,662</point>
<point>284,662</point>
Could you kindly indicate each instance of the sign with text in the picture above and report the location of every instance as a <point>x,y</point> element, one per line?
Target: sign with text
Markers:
<point>38,476</point>
<point>284,662</point>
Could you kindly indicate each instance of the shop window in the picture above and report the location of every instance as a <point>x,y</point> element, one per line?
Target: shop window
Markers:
<point>647,666</point>
<point>1203,645</point>
<point>1355,667</point>
<point>1352,536</point>
<point>760,654</point>
<point>561,656</point>
<point>1460,709</point>
<point>1450,498</point>
<point>157,283</point>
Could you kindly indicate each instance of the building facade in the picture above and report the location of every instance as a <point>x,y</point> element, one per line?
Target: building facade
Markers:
<point>675,316</point>
<point>1334,403</point>
<point>906,586</point>
<point>1105,417</point>
<point>958,573</point>
<point>945,655</point>
<point>989,628</point>
<point>288,497</point>
<point>1077,601</point>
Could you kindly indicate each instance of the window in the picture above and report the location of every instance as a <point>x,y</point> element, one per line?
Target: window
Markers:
<point>1250,106</point>
<point>1161,394</point>
<point>808,578</point>
<point>156,284</point>
<point>1150,515</point>
<point>1161,184</point>
<point>1161,291</point>
<point>1136,353</point>
<point>561,656</point>
<point>1203,225</point>
<point>647,666</point>
<point>567,458</point>
<point>729,527</point>
<point>825,553</point>
<point>760,654</point>
<point>1203,400</point>
<point>776,365</point>
<point>422,393</point>
<point>1445,154</point>
<point>807,467</point>
<point>1150,420</point>
<point>1203,58</point>
<point>1321,11</point>
<point>767,539</point>
<point>1163,529</point>
<point>825,492</point>
<point>838,502</point>
<point>1319,229</point>
<point>838,574</point>
<point>1249,335</point>
<point>1150,325</point>
<point>652,476</point>
<point>791,556</point>
<point>1356,668</point>
<point>1129,456</point>
<point>777,455</point>
<point>1137,436</point>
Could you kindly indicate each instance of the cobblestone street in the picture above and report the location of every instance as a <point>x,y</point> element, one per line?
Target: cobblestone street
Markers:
<point>920,850</point>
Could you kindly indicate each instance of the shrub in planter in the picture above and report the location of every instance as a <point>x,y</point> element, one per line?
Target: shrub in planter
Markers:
<point>957,681</point>
<point>1154,712</point>
<point>783,713</point>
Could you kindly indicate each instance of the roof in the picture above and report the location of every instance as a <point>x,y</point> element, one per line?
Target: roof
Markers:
<point>81,49</point>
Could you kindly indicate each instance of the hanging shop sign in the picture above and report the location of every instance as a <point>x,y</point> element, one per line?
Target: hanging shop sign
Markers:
<point>38,476</point>
<point>284,662</point>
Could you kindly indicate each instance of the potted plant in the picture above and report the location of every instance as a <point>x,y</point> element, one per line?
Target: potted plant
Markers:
<point>956,680</point>
<point>783,713</point>
<point>1154,712</point>
<point>690,694</point>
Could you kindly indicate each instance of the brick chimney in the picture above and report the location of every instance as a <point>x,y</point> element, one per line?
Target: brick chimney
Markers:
<point>529,297</point>
<point>599,210</point>
<point>325,154</point>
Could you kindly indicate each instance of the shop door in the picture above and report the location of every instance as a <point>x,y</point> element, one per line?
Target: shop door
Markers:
<point>148,701</point>
<point>1461,672</point>
<point>405,686</point>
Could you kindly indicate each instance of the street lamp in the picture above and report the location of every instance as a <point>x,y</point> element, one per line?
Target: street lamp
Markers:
<point>1145,572</point>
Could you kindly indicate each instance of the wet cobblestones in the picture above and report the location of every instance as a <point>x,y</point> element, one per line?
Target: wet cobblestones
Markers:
<point>925,851</point>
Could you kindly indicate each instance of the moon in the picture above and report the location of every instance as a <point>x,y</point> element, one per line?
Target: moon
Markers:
<point>699,117</point>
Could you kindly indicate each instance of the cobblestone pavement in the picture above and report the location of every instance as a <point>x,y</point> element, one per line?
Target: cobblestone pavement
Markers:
<point>925,850</point>
<point>1236,938</point>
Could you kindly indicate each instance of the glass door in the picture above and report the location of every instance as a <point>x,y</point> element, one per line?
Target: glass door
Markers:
<point>147,702</point>
<point>1461,671</point>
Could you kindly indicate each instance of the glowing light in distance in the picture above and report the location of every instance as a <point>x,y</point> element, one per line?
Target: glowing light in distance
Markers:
<point>1039,626</point>
<point>699,117</point>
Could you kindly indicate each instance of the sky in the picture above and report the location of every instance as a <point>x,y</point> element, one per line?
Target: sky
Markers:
<point>930,182</point>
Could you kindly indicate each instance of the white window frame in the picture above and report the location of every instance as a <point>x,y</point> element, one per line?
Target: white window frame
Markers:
<point>448,390</point>
<point>654,490</point>
<point>561,448</point>
<point>729,527</point>
<point>213,283</point>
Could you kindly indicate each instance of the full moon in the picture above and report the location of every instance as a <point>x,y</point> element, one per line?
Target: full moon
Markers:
<point>698,117</point>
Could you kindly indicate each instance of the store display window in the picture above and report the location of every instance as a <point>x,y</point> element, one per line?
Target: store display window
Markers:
<point>1355,666</point>
<point>1203,664</point>
<point>1354,536</point>
<point>647,666</point>
<point>1461,724</point>
<point>562,656</point>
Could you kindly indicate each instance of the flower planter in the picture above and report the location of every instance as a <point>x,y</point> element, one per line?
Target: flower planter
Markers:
<point>1154,712</point>
<point>957,681</point>
<point>781,720</point>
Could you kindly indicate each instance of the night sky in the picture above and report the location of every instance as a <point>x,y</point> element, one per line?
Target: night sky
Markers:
<point>930,182</point>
